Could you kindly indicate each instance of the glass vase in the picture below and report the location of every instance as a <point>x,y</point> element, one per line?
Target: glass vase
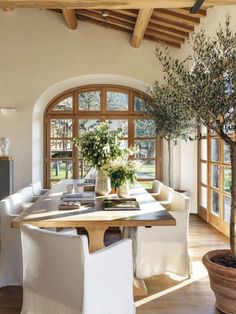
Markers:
<point>103,183</point>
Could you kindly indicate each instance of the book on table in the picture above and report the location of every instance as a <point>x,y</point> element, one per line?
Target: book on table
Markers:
<point>121,204</point>
<point>79,197</point>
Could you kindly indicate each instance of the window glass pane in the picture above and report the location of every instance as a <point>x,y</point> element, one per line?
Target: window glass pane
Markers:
<point>64,105</point>
<point>87,125</point>
<point>145,128</point>
<point>61,128</point>
<point>214,150</point>
<point>227,209</point>
<point>119,124</point>
<point>89,101</point>
<point>61,149</point>
<point>226,153</point>
<point>139,104</point>
<point>203,200</point>
<point>124,144</point>
<point>146,149</point>
<point>147,170</point>
<point>61,169</point>
<point>203,144</point>
<point>215,176</point>
<point>117,101</point>
<point>215,202</point>
<point>227,179</point>
<point>204,173</point>
<point>85,170</point>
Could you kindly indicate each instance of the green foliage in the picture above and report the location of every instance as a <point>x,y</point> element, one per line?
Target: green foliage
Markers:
<point>164,105</point>
<point>121,171</point>
<point>207,80</point>
<point>100,146</point>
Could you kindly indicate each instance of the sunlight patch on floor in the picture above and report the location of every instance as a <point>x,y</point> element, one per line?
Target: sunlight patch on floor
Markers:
<point>198,272</point>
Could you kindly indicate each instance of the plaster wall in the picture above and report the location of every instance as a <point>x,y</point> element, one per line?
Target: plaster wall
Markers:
<point>40,57</point>
<point>38,53</point>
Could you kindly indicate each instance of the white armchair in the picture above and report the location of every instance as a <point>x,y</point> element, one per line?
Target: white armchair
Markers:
<point>164,248</point>
<point>156,187</point>
<point>60,276</point>
<point>10,253</point>
<point>27,196</point>
<point>37,189</point>
<point>164,197</point>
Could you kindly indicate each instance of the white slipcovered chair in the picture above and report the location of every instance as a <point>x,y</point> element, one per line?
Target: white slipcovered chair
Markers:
<point>156,186</point>
<point>27,196</point>
<point>37,189</point>
<point>60,276</point>
<point>164,197</point>
<point>163,249</point>
<point>10,253</point>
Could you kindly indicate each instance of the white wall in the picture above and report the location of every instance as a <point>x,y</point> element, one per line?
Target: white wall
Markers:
<point>37,51</point>
<point>39,55</point>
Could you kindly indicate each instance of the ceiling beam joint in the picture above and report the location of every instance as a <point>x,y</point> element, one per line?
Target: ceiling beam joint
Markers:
<point>70,18</point>
<point>141,25</point>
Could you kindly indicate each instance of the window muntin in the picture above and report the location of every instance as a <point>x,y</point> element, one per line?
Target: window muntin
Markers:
<point>121,107</point>
<point>214,180</point>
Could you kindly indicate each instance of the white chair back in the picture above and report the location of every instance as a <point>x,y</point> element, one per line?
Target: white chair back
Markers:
<point>60,276</point>
<point>26,194</point>
<point>165,193</point>
<point>179,202</point>
<point>37,187</point>
<point>164,248</point>
<point>11,269</point>
<point>156,186</point>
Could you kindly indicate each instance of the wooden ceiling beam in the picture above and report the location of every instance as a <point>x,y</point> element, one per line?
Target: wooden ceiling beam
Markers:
<point>8,9</point>
<point>104,4</point>
<point>166,36</point>
<point>141,25</point>
<point>172,15</point>
<point>171,23</point>
<point>105,24</point>
<point>162,41</point>
<point>186,11</point>
<point>70,18</point>
<point>117,15</point>
<point>106,20</point>
<point>167,30</point>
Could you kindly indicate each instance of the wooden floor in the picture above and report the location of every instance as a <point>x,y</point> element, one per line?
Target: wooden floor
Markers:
<point>166,295</point>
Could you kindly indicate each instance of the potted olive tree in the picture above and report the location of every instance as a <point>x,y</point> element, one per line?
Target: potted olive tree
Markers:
<point>207,85</point>
<point>164,106</point>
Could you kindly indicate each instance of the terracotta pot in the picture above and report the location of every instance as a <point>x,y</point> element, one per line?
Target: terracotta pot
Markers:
<point>223,282</point>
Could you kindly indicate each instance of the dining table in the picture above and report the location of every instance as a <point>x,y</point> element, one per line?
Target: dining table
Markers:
<point>45,213</point>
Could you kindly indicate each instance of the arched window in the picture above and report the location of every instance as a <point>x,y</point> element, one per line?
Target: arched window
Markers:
<point>79,109</point>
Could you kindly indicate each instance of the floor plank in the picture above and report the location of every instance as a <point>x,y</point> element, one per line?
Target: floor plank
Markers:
<point>166,295</point>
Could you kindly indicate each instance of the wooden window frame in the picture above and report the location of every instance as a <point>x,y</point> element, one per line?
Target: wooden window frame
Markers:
<point>216,221</point>
<point>131,115</point>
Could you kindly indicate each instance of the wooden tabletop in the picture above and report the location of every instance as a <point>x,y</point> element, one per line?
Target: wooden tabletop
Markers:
<point>44,212</point>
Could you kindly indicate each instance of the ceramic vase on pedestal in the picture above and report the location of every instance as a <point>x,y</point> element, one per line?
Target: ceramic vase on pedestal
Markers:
<point>123,191</point>
<point>103,183</point>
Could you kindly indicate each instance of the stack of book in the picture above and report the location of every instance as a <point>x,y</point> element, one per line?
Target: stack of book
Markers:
<point>86,197</point>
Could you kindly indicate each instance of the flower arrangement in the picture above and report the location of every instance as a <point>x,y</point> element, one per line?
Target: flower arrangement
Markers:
<point>122,170</point>
<point>100,146</point>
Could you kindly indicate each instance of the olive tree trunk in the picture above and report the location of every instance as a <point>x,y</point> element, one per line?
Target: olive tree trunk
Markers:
<point>169,163</point>
<point>233,200</point>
